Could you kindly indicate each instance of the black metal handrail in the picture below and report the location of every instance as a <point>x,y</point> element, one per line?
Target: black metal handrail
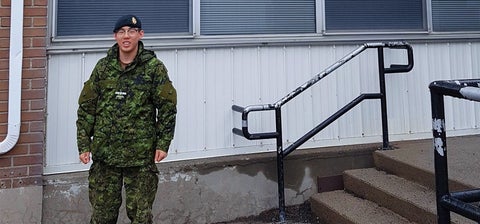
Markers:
<point>458,202</point>
<point>282,153</point>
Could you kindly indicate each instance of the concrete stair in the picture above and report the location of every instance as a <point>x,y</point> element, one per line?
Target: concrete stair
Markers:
<point>400,188</point>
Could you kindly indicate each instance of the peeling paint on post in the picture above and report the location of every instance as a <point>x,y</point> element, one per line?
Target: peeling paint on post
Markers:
<point>472,93</point>
<point>438,144</point>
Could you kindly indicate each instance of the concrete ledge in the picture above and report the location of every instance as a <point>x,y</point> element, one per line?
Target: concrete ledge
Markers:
<point>215,189</point>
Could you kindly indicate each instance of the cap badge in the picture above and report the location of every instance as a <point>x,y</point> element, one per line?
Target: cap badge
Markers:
<point>134,21</point>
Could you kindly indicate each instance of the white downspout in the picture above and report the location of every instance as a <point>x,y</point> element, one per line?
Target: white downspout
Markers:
<point>15,76</point>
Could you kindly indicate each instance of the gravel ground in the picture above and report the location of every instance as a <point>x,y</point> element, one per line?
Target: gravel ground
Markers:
<point>294,214</point>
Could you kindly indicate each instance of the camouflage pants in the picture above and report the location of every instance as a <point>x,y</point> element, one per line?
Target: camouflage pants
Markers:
<point>105,192</point>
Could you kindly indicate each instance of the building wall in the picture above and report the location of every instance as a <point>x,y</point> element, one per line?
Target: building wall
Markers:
<point>23,165</point>
<point>210,80</point>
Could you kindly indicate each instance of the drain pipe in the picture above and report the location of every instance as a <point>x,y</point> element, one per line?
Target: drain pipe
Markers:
<point>15,76</point>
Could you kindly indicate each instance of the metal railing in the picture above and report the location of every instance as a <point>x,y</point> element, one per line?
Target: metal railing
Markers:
<point>458,202</point>
<point>277,134</point>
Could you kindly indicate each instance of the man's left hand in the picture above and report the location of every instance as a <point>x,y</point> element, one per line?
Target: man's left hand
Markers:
<point>159,155</point>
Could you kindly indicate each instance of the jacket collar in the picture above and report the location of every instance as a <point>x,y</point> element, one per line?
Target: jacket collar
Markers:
<point>142,54</point>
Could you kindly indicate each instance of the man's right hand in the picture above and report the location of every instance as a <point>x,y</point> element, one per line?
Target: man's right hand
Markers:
<point>85,157</point>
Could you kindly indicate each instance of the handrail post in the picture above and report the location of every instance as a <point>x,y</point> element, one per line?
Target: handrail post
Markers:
<point>383,99</point>
<point>440,157</point>
<point>459,202</point>
<point>280,171</point>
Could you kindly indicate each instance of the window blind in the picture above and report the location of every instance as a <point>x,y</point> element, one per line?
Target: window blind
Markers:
<point>97,17</point>
<point>221,17</point>
<point>374,15</point>
<point>458,15</point>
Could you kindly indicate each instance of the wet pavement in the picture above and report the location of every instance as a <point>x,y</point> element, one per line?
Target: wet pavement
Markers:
<point>294,214</point>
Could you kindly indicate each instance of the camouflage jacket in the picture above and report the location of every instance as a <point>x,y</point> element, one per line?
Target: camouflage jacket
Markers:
<point>124,115</point>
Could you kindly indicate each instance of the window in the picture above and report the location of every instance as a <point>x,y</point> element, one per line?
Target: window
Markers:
<point>221,17</point>
<point>97,17</point>
<point>374,15</point>
<point>454,15</point>
<point>74,18</point>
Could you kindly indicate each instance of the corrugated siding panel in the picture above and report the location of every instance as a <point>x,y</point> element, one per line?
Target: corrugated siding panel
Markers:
<point>210,80</point>
<point>324,91</point>
<point>190,83</point>
<point>218,88</point>
<point>61,124</point>
<point>247,83</point>
<point>65,80</point>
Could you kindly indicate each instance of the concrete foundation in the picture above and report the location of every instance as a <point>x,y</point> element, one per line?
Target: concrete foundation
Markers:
<point>21,205</point>
<point>207,190</point>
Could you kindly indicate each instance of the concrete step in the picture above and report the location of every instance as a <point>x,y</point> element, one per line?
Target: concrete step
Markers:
<point>340,207</point>
<point>405,186</point>
<point>416,164</point>
<point>413,160</point>
<point>408,199</point>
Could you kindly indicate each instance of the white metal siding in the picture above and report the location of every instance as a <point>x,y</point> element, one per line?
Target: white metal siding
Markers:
<point>210,80</point>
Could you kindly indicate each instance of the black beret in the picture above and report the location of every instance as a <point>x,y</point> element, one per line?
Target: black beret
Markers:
<point>127,20</point>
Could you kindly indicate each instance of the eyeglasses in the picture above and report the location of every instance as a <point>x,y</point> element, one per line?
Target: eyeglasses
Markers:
<point>130,31</point>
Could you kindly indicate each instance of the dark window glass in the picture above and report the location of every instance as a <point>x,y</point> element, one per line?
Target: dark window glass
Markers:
<point>226,17</point>
<point>97,17</point>
<point>374,15</point>
<point>458,15</point>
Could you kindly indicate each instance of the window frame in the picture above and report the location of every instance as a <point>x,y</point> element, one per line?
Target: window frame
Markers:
<point>195,39</point>
<point>52,28</point>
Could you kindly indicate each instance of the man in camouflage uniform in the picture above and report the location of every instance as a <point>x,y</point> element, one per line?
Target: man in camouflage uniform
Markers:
<point>126,121</point>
